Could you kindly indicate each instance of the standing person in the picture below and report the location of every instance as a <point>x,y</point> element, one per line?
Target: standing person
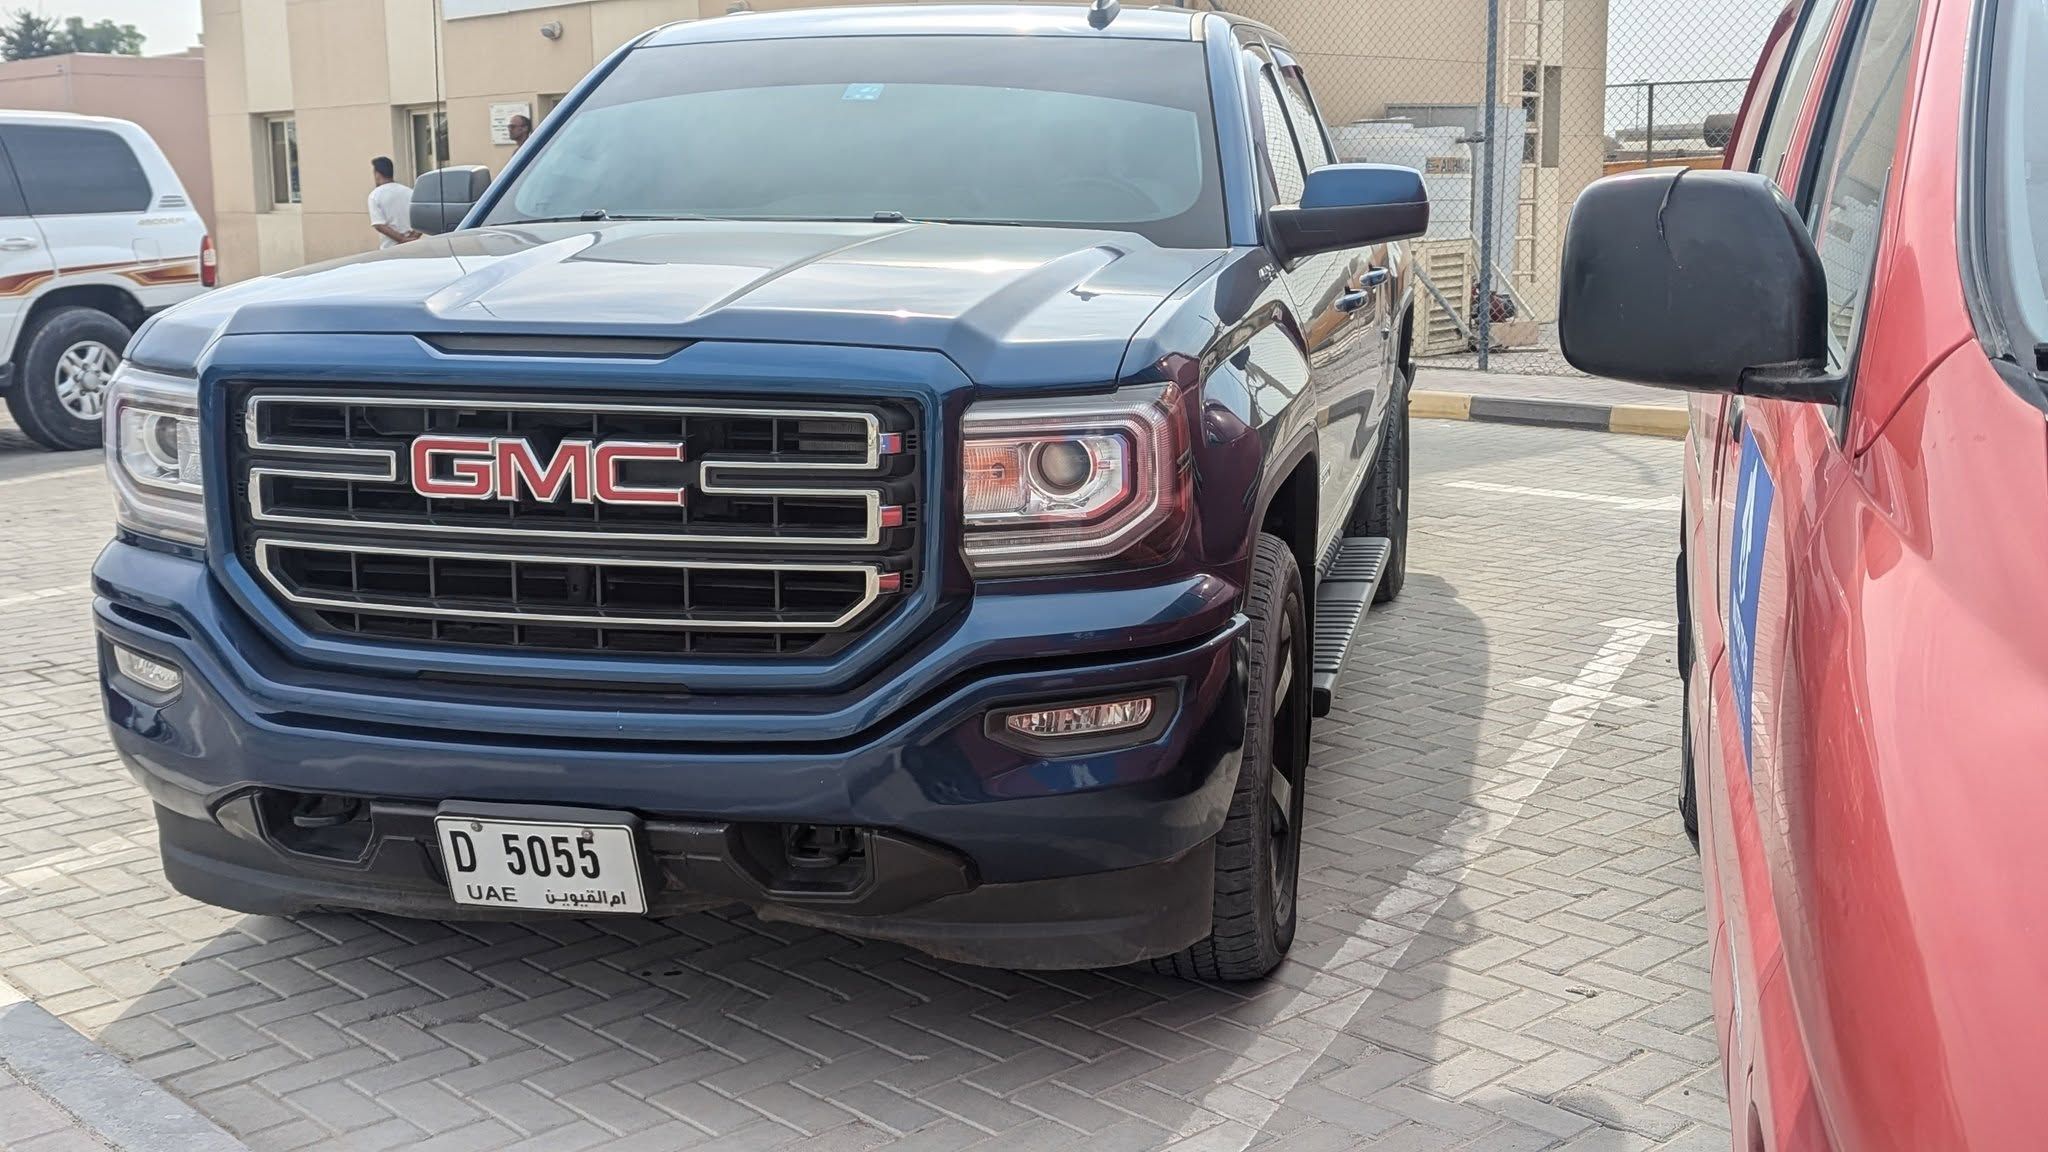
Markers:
<point>518,128</point>
<point>390,205</point>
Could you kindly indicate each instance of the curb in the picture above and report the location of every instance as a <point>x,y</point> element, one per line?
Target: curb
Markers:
<point>111,1103</point>
<point>1628,419</point>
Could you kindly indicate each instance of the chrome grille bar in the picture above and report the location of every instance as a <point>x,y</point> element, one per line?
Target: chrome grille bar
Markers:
<point>268,553</point>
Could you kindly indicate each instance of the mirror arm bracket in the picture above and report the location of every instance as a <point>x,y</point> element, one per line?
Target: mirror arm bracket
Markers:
<point>1801,381</point>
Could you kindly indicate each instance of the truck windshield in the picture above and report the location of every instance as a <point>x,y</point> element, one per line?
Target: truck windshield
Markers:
<point>1096,133</point>
<point>2020,157</point>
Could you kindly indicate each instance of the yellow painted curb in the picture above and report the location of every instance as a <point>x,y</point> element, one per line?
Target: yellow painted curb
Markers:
<point>1649,420</point>
<point>1439,405</point>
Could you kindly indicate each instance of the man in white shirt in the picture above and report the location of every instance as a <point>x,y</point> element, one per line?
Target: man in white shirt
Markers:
<point>390,205</point>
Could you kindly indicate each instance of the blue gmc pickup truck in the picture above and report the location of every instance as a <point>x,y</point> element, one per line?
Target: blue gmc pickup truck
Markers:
<point>909,471</point>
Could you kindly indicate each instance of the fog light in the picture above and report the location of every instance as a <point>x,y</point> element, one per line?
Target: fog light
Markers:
<point>1082,719</point>
<point>151,673</point>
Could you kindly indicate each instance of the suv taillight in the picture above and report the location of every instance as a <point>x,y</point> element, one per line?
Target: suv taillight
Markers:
<point>209,263</point>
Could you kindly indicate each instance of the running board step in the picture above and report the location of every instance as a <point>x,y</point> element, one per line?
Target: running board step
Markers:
<point>1342,600</point>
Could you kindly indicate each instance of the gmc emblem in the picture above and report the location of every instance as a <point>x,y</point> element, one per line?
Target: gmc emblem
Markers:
<point>499,468</point>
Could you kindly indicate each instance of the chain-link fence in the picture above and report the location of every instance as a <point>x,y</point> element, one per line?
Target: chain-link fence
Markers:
<point>1580,89</point>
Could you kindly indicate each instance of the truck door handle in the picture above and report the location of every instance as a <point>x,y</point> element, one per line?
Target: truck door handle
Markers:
<point>1353,301</point>
<point>17,244</point>
<point>1373,278</point>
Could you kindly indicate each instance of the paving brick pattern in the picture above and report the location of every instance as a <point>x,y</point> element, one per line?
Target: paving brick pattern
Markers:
<point>1502,945</point>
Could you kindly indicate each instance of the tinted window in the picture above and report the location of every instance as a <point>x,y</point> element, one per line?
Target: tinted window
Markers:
<point>1280,153</point>
<point>11,203</point>
<point>1306,128</point>
<point>1790,97</point>
<point>76,171</point>
<point>1011,129</point>
<point>1857,144</point>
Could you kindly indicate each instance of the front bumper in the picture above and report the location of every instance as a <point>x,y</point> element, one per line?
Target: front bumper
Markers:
<point>968,848</point>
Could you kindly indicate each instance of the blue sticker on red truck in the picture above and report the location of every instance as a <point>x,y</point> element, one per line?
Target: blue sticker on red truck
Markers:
<point>1754,491</point>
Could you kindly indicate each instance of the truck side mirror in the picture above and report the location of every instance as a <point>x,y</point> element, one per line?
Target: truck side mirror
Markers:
<point>441,198</point>
<point>1350,206</point>
<point>1702,280</point>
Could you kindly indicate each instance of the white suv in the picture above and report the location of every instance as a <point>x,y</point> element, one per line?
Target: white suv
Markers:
<point>95,234</point>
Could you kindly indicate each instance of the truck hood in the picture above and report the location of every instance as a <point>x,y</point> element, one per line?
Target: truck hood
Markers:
<point>1009,305</point>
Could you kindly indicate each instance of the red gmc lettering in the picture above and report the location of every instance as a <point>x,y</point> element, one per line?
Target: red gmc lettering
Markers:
<point>473,477</point>
<point>517,464</point>
<point>606,466</point>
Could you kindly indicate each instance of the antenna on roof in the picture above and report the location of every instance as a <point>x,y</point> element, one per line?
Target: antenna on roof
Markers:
<point>1101,12</point>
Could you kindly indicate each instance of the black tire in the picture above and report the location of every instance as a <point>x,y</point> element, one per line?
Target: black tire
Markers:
<point>1258,852</point>
<point>1688,796</point>
<point>34,401</point>
<point>1382,508</point>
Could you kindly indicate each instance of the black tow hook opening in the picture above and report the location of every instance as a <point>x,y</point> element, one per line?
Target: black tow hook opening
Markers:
<point>320,825</point>
<point>805,860</point>
<point>816,847</point>
<point>314,811</point>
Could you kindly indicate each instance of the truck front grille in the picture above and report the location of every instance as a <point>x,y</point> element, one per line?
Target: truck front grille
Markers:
<point>792,528</point>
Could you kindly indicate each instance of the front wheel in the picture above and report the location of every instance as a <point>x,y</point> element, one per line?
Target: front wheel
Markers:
<point>67,360</point>
<point>1258,852</point>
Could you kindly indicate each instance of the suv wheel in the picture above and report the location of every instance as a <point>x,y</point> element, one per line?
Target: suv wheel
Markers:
<point>67,357</point>
<point>1382,508</point>
<point>1258,852</point>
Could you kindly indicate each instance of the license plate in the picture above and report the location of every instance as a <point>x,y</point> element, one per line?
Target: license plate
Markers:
<point>543,866</point>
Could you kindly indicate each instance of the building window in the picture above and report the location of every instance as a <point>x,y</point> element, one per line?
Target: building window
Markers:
<point>283,133</point>
<point>427,129</point>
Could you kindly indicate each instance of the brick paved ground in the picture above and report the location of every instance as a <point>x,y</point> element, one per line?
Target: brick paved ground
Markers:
<point>1503,946</point>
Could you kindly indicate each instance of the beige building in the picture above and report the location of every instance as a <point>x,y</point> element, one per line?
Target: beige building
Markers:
<point>164,94</point>
<point>302,93</point>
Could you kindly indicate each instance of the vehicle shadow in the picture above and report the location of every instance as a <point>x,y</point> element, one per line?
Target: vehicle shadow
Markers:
<point>725,1028</point>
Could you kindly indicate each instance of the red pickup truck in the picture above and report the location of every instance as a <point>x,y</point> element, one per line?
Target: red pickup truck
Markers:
<point>1858,303</point>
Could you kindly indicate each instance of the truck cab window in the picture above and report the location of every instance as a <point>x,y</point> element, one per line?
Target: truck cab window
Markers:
<point>1857,143</point>
<point>1308,130</point>
<point>1281,154</point>
<point>1790,99</point>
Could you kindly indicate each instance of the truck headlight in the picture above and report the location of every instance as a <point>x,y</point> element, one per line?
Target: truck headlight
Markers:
<point>1060,483</point>
<point>152,433</point>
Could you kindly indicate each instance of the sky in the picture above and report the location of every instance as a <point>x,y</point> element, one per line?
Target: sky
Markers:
<point>1656,39</point>
<point>1646,38</point>
<point>170,25</point>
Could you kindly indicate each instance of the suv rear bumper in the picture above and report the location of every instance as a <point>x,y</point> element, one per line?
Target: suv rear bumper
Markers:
<point>969,848</point>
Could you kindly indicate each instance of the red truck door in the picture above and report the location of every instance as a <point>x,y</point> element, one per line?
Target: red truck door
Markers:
<point>1780,465</point>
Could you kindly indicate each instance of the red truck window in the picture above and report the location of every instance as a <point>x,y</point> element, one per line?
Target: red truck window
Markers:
<point>1790,99</point>
<point>1857,141</point>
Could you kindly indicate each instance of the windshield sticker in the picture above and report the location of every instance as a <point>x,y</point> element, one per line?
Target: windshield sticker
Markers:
<point>1754,491</point>
<point>862,92</point>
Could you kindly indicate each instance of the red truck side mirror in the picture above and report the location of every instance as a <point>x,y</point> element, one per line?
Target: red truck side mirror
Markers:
<point>1705,281</point>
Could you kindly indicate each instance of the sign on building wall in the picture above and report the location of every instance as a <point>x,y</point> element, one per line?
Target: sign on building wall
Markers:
<point>501,120</point>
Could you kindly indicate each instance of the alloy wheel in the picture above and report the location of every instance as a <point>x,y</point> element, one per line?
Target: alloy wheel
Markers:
<point>82,375</point>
